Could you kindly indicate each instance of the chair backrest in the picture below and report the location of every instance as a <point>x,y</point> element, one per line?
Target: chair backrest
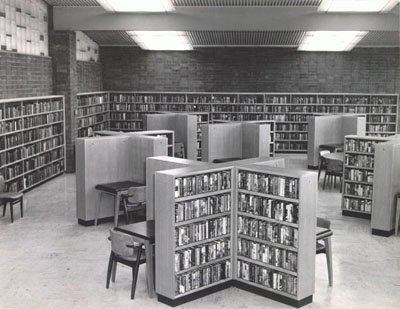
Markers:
<point>324,223</point>
<point>137,194</point>
<point>2,184</point>
<point>119,242</point>
<point>334,166</point>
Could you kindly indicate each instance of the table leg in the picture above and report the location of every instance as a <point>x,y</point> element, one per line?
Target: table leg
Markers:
<point>116,208</point>
<point>149,269</point>
<point>97,208</point>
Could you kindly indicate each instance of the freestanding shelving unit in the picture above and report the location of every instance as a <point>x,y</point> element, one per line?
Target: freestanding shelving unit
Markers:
<point>358,174</point>
<point>31,140</point>
<point>252,227</point>
<point>92,113</point>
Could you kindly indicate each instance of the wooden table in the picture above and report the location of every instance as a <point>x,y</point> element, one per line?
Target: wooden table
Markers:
<point>115,189</point>
<point>337,156</point>
<point>144,232</point>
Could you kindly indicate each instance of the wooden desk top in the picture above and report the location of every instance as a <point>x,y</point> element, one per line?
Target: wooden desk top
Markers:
<point>338,156</point>
<point>144,230</point>
<point>115,187</point>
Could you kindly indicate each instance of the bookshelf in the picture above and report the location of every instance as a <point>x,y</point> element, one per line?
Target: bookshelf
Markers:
<point>265,216</point>
<point>202,118</point>
<point>31,140</point>
<point>92,113</point>
<point>358,174</point>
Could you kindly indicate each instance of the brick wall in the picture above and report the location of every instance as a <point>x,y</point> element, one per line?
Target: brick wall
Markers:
<point>89,76</point>
<point>251,69</point>
<point>24,75</point>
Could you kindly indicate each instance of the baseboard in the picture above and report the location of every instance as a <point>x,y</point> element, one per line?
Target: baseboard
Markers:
<point>361,215</point>
<point>382,232</point>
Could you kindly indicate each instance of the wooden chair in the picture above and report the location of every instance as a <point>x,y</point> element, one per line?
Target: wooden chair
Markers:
<point>134,201</point>
<point>324,245</point>
<point>322,161</point>
<point>125,251</point>
<point>334,168</point>
<point>10,198</point>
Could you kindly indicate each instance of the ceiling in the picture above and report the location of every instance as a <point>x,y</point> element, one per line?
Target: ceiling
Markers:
<point>207,22</point>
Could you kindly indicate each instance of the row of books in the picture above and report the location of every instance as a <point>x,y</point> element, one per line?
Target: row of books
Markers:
<point>88,131</point>
<point>269,184</point>
<point>357,204</point>
<point>268,231</point>
<point>40,133</point>
<point>291,127</point>
<point>198,184</point>
<point>202,254</point>
<point>365,161</point>
<point>10,126</point>
<point>360,145</point>
<point>14,171</point>
<point>238,108</point>
<point>202,207</point>
<point>267,277</point>
<point>173,98</point>
<point>383,109</point>
<point>267,254</point>
<point>43,159</point>
<point>92,99</point>
<point>198,108</point>
<point>8,157</point>
<point>86,111</point>
<point>133,98</point>
<point>132,107</point>
<point>294,136</point>
<point>138,125</point>
<point>357,189</point>
<point>287,117</point>
<point>359,175</point>
<point>9,141</point>
<point>202,277</point>
<point>375,118</point>
<point>202,230</point>
<point>42,146</point>
<point>91,120</point>
<point>125,116</point>
<point>238,117</point>
<point>43,119</point>
<point>171,108</point>
<point>16,109</point>
<point>381,128</point>
<point>43,173</point>
<point>269,208</point>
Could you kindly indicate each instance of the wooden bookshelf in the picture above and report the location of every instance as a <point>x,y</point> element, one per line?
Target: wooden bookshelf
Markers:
<point>358,174</point>
<point>202,118</point>
<point>92,113</point>
<point>185,207</point>
<point>386,184</point>
<point>31,140</point>
<point>290,111</point>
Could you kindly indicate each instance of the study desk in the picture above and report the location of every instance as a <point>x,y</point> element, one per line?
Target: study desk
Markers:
<point>144,232</point>
<point>115,189</point>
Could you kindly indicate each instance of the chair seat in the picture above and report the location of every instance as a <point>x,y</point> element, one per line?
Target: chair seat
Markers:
<point>324,234</point>
<point>10,196</point>
<point>320,248</point>
<point>133,258</point>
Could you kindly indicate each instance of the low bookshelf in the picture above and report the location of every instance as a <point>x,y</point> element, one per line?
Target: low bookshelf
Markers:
<point>31,140</point>
<point>92,113</point>
<point>358,174</point>
<point>249,226</point>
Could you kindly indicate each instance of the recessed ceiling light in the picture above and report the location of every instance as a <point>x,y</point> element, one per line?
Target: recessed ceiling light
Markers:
<point>137,5</point>
<point>331,40</point>
<point>357,5</point>
<point>161,40</point>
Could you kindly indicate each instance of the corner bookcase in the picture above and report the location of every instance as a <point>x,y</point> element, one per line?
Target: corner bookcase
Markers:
<point>31,140</point>
<point>252,227</point>
<point>358,174</point>
<point>290,111</point>
<point>92,113</point>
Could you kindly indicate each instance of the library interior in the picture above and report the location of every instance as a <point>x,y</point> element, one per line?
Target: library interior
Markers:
<point>200,153</point>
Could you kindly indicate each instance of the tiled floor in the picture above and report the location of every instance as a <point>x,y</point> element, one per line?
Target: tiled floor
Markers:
<point>47,260</point>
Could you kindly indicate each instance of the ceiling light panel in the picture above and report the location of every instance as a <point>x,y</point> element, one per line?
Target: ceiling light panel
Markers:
<point>161,40</point>
<point>137,5</point>
<point>330,40</point>
<point>72,2</point>
<point>357,5</point>
<point>205,3</point>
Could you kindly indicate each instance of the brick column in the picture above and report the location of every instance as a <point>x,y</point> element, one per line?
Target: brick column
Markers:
<point>62,49</point>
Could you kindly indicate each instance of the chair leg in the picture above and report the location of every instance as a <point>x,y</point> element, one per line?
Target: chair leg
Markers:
<point>11,211</point>
<point>4,209</point>
<point>319,169</point>
<point>109,269</point>
<point>97,210</point>
<point>114,271</point>
<point>21,202</point>
<point>135,271</point>
<point>126,213</point>
<point>323,186</point>
<point>328,249</point>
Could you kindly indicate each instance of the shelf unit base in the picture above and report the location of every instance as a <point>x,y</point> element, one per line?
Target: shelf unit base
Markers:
<point>240,285</point>
<point>193,296</point>
<point>361,215</point>
<point>267,294</point>
<point>121,218</point>
<point>310,167</point>
<point>382,233</point>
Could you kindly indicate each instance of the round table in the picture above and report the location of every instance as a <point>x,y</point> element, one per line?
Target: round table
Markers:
<point>337,156</point>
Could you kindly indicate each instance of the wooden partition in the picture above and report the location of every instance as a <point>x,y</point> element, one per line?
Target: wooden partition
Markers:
<point>331,129</point>
<point>110,159</point>
<point>386,184</point>
<point>184,126</point>
<point>235,140</point>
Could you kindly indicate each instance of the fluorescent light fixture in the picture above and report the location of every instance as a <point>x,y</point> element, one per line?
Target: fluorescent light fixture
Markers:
<point>357,5</point>
<point>137,5</point>
<point>161,40</point>
<point>331,40</point>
